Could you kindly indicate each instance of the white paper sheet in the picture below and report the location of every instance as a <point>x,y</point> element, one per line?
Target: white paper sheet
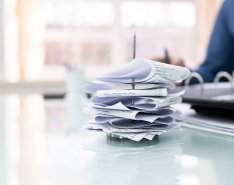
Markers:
<point>126,123</point>
<point>117,106</point>
<point>138,136</point>
<point>149,136</point>
<point>146,71</point>
<point>146,103</point>
<point>93,87</point>
<point>133,134</point>
<point>112,100</point>
<point>110,129</point>
<point>225,125</point>
<point>149,115</point>
<point>132,93</point>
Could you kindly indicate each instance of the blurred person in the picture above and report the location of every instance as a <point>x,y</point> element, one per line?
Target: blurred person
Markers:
<point>220,52</point>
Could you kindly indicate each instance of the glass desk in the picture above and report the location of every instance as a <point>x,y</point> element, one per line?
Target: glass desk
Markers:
<point>42,143</point>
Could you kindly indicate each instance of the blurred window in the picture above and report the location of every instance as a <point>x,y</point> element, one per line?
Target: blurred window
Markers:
<point>182,14</point>
<point>78,14</point>
<point>98,34</point>
<point>152,14</point>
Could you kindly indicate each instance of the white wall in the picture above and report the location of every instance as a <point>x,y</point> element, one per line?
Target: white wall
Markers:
<point>2,41</point>
<point>2,104</point>
<point>2,126</point>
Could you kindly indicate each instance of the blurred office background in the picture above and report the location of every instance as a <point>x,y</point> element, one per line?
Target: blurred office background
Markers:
<point>39,38</point>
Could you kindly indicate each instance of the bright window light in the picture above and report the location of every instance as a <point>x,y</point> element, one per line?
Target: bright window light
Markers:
<point>182,14</point>
<point>152,14</point>
<point>79,14</point>
<point>141,13</point>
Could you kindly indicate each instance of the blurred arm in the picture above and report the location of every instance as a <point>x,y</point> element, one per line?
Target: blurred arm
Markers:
<point>220,54</point>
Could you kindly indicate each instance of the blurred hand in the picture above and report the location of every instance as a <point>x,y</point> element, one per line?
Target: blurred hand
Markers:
<point>174,61</point>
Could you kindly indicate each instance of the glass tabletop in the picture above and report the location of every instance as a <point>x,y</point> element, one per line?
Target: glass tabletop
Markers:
<point>42,143</point>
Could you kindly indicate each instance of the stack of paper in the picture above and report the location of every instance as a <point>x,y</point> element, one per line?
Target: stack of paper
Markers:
<point>134,101</point>
<point>215,123</point>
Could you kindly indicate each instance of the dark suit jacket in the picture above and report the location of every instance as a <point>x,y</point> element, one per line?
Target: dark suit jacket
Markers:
<point>220,53</point>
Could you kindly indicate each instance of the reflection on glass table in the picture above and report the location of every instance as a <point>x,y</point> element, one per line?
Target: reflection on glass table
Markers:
<point>44,144</point>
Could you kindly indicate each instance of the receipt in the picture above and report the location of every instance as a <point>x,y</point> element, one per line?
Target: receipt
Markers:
<point>149,116</point>
<point>133,134</point>
<point>159,123</point>
<point>110,129</point>
<point>135,115</point>
<point>125,103</point>
<point>165,71</point>
<point>94,86</point>
<point>117,106</point>
<point>126,123</point>
<point>132,93</point>
<point>146,71</point>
